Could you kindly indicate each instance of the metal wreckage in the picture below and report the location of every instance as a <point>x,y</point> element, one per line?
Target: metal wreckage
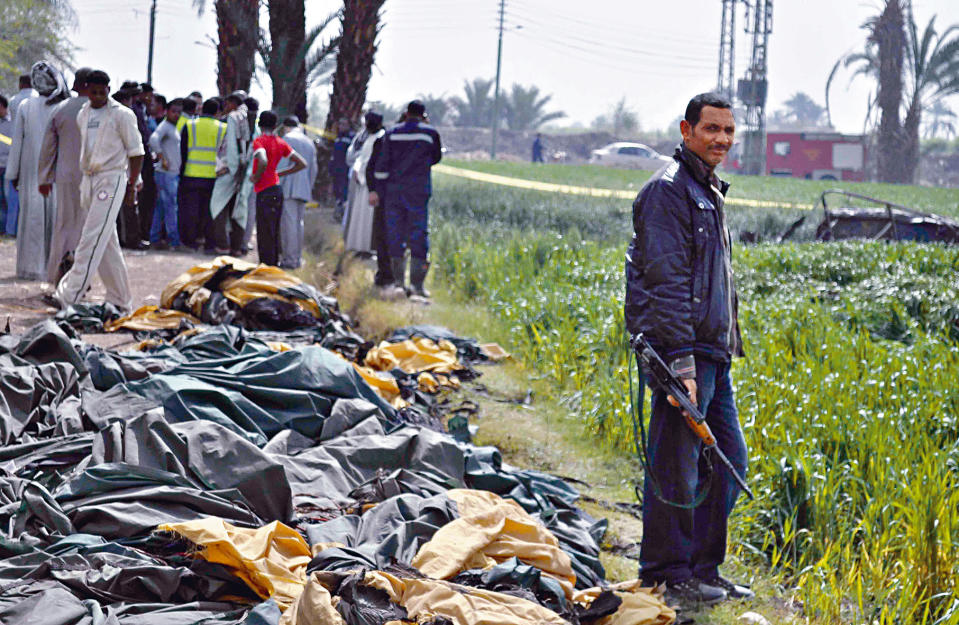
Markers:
<point>255,461</point>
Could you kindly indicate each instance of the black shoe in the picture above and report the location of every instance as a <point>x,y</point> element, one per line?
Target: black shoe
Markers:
<point>733,590</point>
<point>50,300</point>
<point>691,593</point>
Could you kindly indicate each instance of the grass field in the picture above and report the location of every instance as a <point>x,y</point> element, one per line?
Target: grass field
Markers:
<point>848,394</point>
<point>791,190</point>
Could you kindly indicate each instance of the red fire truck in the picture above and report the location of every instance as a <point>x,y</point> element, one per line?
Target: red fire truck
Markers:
<point>815,155</point>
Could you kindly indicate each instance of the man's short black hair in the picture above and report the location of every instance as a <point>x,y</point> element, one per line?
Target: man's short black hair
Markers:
<point>235,98</point>
<point>195,93</point>
<point>4,102</point>
<point>146,87</point>
<point>210,107</point>
<point>98,77</point>
<point>291,121</point>
<point>416,108</point>
<point>189,105</point>
<point>178,102</point>
<point>82,75</point>
<point>160,99</point>
<point>25,82</point>
<point>268,120</point>
<point>695,107</point>
<point>252,104</point>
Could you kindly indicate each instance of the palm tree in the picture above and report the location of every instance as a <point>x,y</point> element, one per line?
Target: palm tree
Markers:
<point>354,61</point>
<point>437,107</point>
<point>293,57</point>
<point>475,110</point>
<point>912,72</point>
<point>619,120</point>
<point>525,108</point>
<point>941,124</point>
<point>237,28</point>
<point>803,110</point>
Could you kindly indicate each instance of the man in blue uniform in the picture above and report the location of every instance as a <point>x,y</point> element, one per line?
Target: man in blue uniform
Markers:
<point>409,150</point>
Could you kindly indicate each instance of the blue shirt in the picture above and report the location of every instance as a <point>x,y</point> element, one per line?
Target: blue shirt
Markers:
<point>409,151</point>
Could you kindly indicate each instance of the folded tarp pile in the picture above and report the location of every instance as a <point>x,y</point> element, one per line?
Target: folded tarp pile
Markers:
<point>216,479</point>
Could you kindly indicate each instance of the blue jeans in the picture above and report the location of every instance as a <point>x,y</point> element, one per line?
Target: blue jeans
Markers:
<point>165,215</point>
<point>13,208</point>
<point>680,543</point>
<point>407,222</point>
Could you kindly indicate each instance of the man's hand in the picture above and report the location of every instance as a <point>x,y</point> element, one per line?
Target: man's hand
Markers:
<point>165,163</point>
<point>374,198</point>
<point>130,199</point>
<point>45,189</point>
<point>691,387</point>
<point>15,183</point>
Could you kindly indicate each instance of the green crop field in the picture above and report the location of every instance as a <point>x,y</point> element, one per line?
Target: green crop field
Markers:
<point>848,393</point>
<point>791,190</point>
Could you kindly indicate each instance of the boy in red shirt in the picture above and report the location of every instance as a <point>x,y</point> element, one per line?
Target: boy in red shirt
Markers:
<point>268,149</point>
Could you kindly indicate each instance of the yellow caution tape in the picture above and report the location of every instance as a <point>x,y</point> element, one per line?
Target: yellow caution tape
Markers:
<point>6,139</point>
<point>326,134</point>
<point>551,187</point>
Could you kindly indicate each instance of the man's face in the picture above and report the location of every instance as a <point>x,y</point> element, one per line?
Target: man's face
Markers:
<point>712,137</point>
<point>98,95</point>
<point>3,110</point>
<point>198,100</point>
<point>173,113</point>
<point>343,126</point>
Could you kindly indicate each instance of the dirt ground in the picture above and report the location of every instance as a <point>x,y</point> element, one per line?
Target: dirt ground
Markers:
<point>150,271</point>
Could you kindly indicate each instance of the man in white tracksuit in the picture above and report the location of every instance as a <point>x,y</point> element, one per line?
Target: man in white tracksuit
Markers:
<point>111,155</point>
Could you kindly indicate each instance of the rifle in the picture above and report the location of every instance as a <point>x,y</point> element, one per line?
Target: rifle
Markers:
<point>673,386</point>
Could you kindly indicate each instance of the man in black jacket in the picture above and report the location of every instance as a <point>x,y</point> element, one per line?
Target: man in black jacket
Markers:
<point>680,294</point>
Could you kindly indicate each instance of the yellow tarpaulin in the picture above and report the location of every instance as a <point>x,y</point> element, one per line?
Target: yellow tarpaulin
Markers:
<point>258,281</point>
<point>414,355</point>
<point>271,560</point>
<point>146,318</point>
<point>491,530</point>
<point>425,599</point>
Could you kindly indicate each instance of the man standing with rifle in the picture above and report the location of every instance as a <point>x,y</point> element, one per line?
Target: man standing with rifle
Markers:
<point>680,295</point>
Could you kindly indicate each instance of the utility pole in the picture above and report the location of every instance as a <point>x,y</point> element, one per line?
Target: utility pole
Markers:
<point>499,61</point>
<point>153,22</point>
<point>725,81</point>
<point>752,89</point>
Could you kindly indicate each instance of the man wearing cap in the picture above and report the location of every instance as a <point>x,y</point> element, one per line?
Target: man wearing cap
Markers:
<point>268,150</point>
<point>200,142</point>
<point>60,166</point>
<point>297,191</point>
<point>111,153</point>
<point>35,221</point>
<point>409,150</point>
<point>228,218</point>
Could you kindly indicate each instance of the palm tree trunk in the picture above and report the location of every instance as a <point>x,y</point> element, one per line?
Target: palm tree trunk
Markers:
<point>236,24</point>
<point>911,147</point>
<point>890,36</point>
<point>287,65</point>
<point>354,63</point>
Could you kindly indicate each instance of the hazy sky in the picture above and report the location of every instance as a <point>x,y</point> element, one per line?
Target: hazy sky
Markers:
<point>655,54</point>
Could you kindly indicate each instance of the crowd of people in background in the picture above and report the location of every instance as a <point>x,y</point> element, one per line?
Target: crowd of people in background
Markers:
<point>198,175</point>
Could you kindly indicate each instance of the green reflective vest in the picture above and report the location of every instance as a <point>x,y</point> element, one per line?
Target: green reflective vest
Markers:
<point>204,136</point>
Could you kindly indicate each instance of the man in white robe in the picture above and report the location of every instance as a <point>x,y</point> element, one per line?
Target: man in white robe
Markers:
<point>37,213</point>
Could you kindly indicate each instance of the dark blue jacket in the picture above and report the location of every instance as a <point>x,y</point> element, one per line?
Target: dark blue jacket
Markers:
<point>338,157</point>
<point>408,152</point>
<point>679,283</point>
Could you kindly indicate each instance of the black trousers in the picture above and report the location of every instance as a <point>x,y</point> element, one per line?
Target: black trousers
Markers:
<point>194,208</point>
<point>384,273</point>
<point>269,208</point>
<point>147,198</point>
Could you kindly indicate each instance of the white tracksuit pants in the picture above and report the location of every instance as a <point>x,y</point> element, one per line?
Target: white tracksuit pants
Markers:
<point>99,248</point>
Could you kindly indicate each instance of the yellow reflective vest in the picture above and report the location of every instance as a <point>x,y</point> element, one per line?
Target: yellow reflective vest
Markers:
<point>204,136</point>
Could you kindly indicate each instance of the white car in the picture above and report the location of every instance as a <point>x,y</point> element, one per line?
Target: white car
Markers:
<point>631,155</point>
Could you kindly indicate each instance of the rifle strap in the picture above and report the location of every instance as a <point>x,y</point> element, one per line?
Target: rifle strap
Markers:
<point>636,410</point>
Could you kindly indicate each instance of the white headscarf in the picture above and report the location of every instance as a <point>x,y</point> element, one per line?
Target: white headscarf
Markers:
<point>49,82</point>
